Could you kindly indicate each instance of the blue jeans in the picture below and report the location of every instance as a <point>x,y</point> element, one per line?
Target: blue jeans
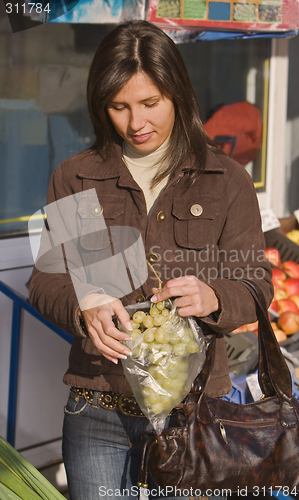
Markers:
<point>102,452</point>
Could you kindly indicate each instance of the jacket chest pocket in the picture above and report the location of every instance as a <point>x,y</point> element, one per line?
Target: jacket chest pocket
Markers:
<point>94,217</point>
<point>194,223</point>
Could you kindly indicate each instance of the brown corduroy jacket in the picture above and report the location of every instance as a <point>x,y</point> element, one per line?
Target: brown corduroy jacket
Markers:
<point>211,230</point>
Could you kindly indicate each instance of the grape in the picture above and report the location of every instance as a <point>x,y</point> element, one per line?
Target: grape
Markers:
<point>154,312</point>
<point>167,384</point>
<point>138,316</point>
<point>152,371</point>
<point>189,332</point>
<point>154,346</point>
<point>147,391</point>
<point>160,373</point>
<point>157,408</point>
<point>179,349</point>
<point>140,350</point>
<point>165,348</point>
<point>159,320</point>
<point>134,325</point>
<point>149,335</point>
<point>174,339</point>
<point>172,364</point>
<point>160,336</point>
<point>165,313</point>
<point>178,383</point>
<point>135,334</point>
<point>171,373</point>
<point>148,321</point>
<point>192,347</point>
<point>185,339</point>
<point>160,306</point>
<point>153,399</point>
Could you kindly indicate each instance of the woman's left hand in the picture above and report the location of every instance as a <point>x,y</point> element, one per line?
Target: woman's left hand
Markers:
<point>194,297</point>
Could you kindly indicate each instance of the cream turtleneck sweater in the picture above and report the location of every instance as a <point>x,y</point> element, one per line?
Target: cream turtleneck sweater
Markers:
<point>143,167</point>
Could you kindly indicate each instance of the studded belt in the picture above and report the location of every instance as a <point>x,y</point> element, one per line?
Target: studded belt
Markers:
<point>126,404</point>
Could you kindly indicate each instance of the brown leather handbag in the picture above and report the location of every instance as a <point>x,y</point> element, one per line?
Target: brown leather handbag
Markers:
<point>220,445</point>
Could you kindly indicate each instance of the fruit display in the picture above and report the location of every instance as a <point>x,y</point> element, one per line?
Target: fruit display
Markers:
<point>285,279</point>
<point>168,352</point>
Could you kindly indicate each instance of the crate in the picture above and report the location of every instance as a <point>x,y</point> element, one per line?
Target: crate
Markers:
<point>291,344</point>
<point>240,392</point>
<point>242,352</point>
<point>288,249</point>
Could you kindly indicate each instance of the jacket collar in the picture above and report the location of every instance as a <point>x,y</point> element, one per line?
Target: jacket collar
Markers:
<point>213,163</point>
<point>96,168</point>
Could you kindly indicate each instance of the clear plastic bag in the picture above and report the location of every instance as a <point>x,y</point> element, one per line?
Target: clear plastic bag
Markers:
<point>168,352</point>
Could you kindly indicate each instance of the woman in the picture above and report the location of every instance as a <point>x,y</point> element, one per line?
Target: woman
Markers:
<point>154,171</point>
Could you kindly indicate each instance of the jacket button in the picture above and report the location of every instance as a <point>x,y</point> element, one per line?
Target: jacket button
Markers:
<point>97,210</point>
<point>161,216</point>
<point>140,298</point>
<point>196,210</point>
<point>152,258</point>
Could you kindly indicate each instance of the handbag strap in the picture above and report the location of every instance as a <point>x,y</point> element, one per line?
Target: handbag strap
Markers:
<point>273,372</point>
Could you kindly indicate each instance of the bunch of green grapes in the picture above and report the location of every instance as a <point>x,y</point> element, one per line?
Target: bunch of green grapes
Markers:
<point>162,342</point>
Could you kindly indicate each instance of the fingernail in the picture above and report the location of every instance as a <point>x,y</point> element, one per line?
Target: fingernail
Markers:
<point>129,326</point>
<point>128,352</point>
<point>128,338</point>
<point>154,299</point>
<point>115,361</point>
<point>122,356</point>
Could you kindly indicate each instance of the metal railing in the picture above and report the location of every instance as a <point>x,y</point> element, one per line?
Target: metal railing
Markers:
<point>19,303</point>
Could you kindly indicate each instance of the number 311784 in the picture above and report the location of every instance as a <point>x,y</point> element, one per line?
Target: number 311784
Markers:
<point>27,8</point>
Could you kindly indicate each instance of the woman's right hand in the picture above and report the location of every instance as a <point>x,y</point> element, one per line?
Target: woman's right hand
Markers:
<point>102,331</point>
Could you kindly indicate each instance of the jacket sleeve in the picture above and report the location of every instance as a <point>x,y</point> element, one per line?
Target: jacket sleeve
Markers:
<point>58,280</point>
<point>241,255</point>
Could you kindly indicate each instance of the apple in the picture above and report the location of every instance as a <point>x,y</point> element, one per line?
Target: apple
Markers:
<point>280,335</point>
<point>278,275</point>
<point>241,329</point>
<point>291,286</point>
<point>280,294</point>
<point>288,321</point>
<point>287,305</point>
<point>251,327</point>
<point>278,284</point>
<point>291,268</point>
<point>295,298</point>
<point>274,305</point>
<point>274,325</point>
<point>273,256</point>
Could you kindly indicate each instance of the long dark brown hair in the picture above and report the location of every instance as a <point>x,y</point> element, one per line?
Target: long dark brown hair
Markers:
<point>141,46</point>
